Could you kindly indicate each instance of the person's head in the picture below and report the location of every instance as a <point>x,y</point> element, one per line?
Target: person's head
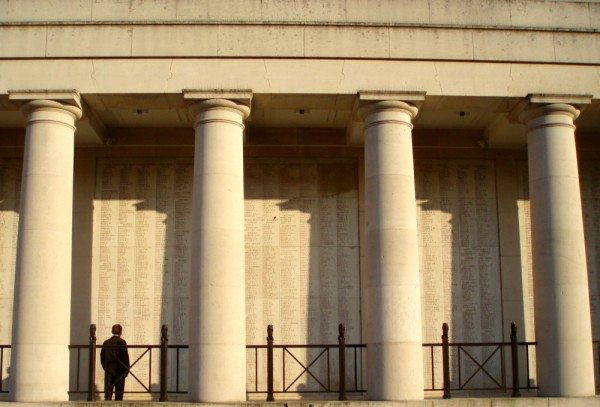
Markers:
<point>117,329</point>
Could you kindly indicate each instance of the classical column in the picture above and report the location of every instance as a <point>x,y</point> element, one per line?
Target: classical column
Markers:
<point>393,292</point>
<point>561,296</point>
<point>217,361</point>
<point>41,315</point>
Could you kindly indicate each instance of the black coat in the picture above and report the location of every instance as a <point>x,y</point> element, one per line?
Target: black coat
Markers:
<point>114,356</point>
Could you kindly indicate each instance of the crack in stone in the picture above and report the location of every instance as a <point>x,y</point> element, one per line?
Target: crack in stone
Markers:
<point>266,73</point>
<point>93,73</point>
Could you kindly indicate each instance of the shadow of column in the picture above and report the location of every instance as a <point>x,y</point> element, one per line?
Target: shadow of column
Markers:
<point>142,255</point>
<point>302,259</point>
<point>589,174</point>
<point>10,187</point>
<point>460,264</point>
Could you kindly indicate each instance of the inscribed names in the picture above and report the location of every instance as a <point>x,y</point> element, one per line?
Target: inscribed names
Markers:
<point>302,260</point>
<point>458,241</point>
<point>141,255</point>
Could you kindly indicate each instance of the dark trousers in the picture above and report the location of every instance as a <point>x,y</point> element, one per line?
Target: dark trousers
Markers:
<point>116,382</point>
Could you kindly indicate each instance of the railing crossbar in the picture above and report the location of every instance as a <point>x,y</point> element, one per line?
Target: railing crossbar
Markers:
<point>135,363</point>
<point>480,367</point>
<point>306,369</point>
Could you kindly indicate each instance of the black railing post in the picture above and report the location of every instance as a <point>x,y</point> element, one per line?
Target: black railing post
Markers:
<point>342,360</point>
<point>514,347</point>
<point>92,365</point>
<point>446,360</point>
<point>270,396</point>
<point>164,349</point>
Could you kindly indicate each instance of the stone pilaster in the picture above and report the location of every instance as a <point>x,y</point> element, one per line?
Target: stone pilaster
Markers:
<point>217,368</point>
<point>561,296</point>
<point>42,297</point>
<point>393,292</point>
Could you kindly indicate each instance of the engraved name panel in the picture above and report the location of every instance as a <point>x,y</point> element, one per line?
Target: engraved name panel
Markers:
<point>459,258</point>
<point>10,187</point>
<point>301,232</point>
<point>141,267</point>
<point>302,261</point>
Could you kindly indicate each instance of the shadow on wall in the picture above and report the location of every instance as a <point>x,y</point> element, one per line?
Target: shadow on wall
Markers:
<point>141,258</point>
<point>302,263</point>
<point>10,187</point>
<point>459,257</point>
<point>306,246</point>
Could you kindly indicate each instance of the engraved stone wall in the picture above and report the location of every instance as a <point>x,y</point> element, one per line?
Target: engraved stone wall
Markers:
<point>302,248</point>
<point>589,176</point>
<point>525,243</point>
<point>302,261</point>
<point>459,257</point>
<point>10,186</point>
<point>141,254</point>
<point>590,199</point>
<point>301,252</point>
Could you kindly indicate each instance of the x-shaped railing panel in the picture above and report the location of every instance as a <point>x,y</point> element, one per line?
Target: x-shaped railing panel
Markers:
<point>481,367</point>
<point>144,353</point>
<point>305,369</point>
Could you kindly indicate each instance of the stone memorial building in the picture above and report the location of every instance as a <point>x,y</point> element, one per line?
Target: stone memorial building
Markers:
<point>217,166</point>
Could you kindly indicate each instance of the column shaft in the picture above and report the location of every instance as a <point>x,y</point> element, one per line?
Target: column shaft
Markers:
<point>393,293</point>
<point>41,322</point>
<point>217,371</point>
<point>561,296</point>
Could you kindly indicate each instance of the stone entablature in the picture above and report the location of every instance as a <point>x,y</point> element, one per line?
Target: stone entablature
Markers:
<point>521,14</point>
<point>298,41</point>
<point>524,31</point>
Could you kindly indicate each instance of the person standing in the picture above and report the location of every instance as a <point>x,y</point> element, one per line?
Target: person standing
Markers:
<point>115,362</point>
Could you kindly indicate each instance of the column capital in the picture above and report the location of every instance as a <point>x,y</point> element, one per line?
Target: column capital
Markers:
<point>30,100</point>
<point>414,97</point>
<point>374,101</point>
<point>536,106</point>
<point>238,101</point>
<point>203,106</point>
<point>243,96</point>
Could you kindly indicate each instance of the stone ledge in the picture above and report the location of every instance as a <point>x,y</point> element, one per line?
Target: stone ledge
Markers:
<point>563,14</point>
<point>455,402</point>
<point>299,41</point>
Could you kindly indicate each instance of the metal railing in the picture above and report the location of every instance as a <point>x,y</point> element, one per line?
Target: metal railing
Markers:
<point>596,352</point>
<point>468,366</point>
<point>316,366</point>
<point>85,379</point>
<point>141,375</point>
<point>478,366</point>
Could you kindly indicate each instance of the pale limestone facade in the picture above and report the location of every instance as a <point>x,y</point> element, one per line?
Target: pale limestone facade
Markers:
<point>223,165</point>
